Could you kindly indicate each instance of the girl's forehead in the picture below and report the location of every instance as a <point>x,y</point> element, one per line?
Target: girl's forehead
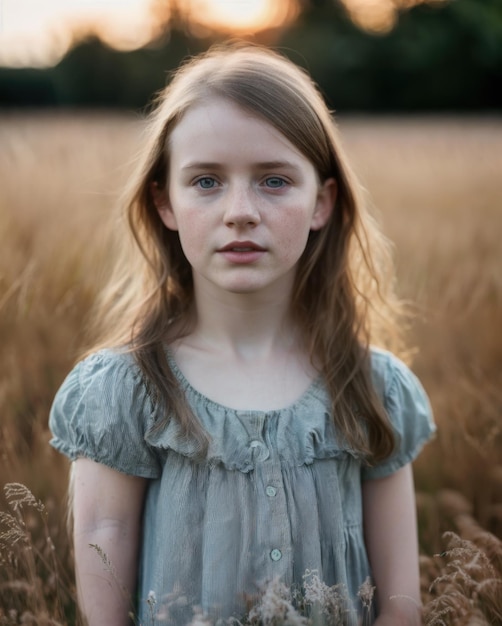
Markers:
<point>214,107</point>
<point>220,123</point>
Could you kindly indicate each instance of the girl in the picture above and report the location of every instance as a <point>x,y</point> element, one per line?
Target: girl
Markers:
<point>233,424</point>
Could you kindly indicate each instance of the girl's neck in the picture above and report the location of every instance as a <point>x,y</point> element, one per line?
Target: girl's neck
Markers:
<point>243,326</point>
<point>243,351</point>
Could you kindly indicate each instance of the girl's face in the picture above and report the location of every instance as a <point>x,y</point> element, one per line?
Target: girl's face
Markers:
<point>242,198</point>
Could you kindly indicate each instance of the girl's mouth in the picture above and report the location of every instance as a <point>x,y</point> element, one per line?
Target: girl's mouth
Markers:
<point>242,252</point>
<point>242,246</point>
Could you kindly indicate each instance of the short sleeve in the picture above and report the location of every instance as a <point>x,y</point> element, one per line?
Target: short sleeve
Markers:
<point>102,411</point>
<point>408,408</point>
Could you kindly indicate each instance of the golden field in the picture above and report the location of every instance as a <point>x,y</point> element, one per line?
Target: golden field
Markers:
<point>436,184</point>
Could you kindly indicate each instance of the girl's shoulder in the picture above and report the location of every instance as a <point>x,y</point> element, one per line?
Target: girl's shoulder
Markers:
<point>407,406</point>
<point>106,378</point>
<point>102,411</point>
<point>388,372</point>
<point>104,370</point>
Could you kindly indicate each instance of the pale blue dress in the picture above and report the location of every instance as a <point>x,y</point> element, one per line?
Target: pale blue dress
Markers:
<point>278,494</point>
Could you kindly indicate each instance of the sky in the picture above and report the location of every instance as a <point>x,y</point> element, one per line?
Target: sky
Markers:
<point>37,33</point>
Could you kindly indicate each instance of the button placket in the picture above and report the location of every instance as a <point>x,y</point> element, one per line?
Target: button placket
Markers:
<point>274,529</point>
<point>276,532</point>
<point>254,424</point>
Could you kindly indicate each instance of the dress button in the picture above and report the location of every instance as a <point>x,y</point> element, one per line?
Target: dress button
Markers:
<point>270,491</point>
<point>259,450</point>
<point>276,554</point>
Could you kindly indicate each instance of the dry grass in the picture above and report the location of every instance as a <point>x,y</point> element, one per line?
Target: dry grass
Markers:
<point>438,187</point>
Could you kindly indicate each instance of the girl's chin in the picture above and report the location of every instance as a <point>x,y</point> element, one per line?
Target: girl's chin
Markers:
<point>249,288</point>
<point>246,282</point>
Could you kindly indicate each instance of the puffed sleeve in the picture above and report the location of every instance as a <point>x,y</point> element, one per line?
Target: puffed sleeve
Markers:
<point>102,411</point>
<point>408,408</point>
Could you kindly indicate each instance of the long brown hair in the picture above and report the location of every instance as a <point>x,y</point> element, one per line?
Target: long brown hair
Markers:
<point>343,297</point>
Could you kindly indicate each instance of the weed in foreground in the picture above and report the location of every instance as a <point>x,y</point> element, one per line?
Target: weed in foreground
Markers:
<point>468,589</point>
<point>33,585</point>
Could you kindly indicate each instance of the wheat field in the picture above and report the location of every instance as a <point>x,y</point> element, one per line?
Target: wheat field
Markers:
<point>436,184</point>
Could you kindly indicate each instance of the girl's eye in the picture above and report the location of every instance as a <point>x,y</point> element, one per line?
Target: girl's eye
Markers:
<point>206,182</point>
<point>274,182</point>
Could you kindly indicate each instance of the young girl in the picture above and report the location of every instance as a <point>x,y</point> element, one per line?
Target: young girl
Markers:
<point>234,425</point>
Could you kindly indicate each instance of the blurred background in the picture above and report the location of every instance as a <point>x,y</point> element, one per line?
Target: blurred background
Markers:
<point>417,92</point>
<point>367,55</point>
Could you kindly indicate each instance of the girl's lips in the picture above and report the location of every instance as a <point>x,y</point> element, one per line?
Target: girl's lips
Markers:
<point>242,246</point>
<point>242,252</point>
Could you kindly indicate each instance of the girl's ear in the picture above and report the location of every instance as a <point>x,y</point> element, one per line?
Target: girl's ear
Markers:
<point>325,204</point>
<point>164,209</point>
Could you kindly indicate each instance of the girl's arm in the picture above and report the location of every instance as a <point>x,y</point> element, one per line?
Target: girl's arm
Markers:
<point>391,538</point>
<point>107,509</point>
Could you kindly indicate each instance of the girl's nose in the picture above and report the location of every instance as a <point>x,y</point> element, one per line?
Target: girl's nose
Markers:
<point>241,208</point>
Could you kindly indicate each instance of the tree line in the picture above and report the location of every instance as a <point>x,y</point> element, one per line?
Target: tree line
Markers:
<point>439,57</point>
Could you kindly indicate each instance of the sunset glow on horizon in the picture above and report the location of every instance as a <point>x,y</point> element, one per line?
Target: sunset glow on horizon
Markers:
<point>242,16</point>
<point>38,33</point>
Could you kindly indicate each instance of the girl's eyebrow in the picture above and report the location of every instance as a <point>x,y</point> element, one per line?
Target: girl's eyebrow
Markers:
<point>261,165</point>
<point>202,165</point>
<point>277,165</point>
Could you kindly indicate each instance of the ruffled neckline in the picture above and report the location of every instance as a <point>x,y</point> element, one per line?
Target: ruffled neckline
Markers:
<point>239,439</point>
<point>314,390</point>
